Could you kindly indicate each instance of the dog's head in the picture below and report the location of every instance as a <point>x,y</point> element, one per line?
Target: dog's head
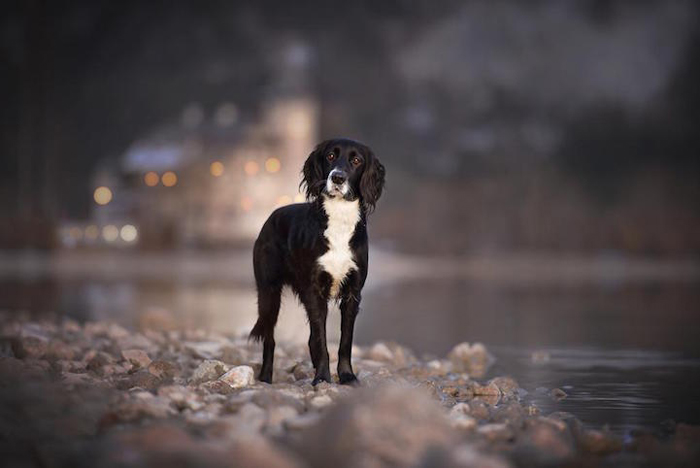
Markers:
<point>344,168</point>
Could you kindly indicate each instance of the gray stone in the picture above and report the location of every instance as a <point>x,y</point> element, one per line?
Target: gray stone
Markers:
<point>30,347</point>
<point>138,358</point>
<point>164,370</point>
<point>208,370</point>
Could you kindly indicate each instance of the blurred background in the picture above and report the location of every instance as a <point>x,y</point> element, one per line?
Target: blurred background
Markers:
<point>543,172</point>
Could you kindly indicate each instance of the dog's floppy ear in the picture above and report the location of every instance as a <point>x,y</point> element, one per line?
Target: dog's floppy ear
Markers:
<point>312,173</point>
<point>372,182</point>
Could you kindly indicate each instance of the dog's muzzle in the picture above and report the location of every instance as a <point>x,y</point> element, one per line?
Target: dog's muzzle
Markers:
<point>337,183</point>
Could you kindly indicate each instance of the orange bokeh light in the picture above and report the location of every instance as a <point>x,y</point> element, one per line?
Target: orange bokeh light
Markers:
<point>151,179</point>
<point>273,165</point>
<point>169,179</point>
<point>216,169</point>
<point>102,195</point>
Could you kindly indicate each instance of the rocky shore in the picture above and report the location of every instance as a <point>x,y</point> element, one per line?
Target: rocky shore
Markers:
<point>98,394</point>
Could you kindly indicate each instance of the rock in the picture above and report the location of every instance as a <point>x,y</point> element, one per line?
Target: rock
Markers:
<point>218,387</point>
<point>302,422</point>
<point>460,418</point>
<point>137,409</point>
<point>239,376</point>
<point>302,371</point>
<point>250,418</point>
<point>387,426</point>
<point>321,401</point>
<point>513,414</point>
<point>496,432</point>
<point>70,366</point>
<point>72,380</point>
<point>96,360</point>
<point>137,358</point>
<point>142,379</point>
<point>60,351</point>
<point>381,352</point>
<point>269,399</point>
<point>474,359</point>
<point>506,385</point>
<point>208,370</point>
<point>30,347</point>
<point>181,397</point>
<point>277,416</point>
<point>545,442</point>
<point>489,389</point>
<point>558,394</point>
<point>164,370</point>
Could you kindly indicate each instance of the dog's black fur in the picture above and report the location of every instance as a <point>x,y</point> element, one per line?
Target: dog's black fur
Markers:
<point>292,241</point>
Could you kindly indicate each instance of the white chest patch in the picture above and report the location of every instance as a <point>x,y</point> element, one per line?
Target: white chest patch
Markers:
<point>343,216</point>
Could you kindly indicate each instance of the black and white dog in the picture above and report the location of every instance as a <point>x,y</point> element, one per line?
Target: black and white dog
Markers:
<point>319,248</point>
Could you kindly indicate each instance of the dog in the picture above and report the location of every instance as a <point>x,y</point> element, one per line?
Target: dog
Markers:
<point>319,249</point>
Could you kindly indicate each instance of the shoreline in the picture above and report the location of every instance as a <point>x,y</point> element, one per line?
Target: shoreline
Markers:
<point>108,391</point>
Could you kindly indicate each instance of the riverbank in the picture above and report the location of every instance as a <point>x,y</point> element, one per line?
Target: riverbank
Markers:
<point>98,394</point>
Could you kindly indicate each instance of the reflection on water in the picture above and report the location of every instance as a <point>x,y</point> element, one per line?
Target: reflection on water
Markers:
<point>627,356</point>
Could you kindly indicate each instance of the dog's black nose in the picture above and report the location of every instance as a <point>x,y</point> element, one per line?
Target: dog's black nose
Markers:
<point>339,178</point>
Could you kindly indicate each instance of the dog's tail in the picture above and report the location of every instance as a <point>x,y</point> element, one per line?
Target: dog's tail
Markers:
<point>259,330</point>
<point>268,310</point>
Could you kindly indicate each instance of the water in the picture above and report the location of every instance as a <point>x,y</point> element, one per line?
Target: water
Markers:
<point>627,355</point>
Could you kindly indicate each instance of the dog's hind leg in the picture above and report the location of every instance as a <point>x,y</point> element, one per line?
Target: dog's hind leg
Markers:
<point>264,329</point>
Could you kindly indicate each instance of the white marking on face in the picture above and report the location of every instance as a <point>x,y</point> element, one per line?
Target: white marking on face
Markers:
<point>332,189</point>
<point>343,217</point>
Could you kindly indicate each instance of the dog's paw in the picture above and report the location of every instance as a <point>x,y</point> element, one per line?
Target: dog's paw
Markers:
<point>321,378</point>
<point>348,378</point>
<point>267,378</point>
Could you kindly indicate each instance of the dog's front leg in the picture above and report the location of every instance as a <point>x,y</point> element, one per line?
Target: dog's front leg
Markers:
<point>349,307</point>
<point>317,310</point>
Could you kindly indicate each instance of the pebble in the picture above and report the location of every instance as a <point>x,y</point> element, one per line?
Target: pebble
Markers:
<point>208,370</point>
<point>320,401</point>
<point>203,393</point>
<point>239,376</point>
<point>137,357</point>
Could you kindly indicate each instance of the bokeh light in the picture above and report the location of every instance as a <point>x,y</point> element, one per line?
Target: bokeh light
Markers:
<point>129,233</point>
<point>273,165</point>
<point>91,232</point>
<point>251,168</point>
<point>110,233</point>
<point>169,179</point>
<point>216,169</point>
<point>151,179</point>
<point>102,195</point>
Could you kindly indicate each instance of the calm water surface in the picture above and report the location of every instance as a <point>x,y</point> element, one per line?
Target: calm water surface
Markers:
<point>627,356</point>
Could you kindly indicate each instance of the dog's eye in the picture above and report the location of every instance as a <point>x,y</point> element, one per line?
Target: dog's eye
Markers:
<point>330,156</point>
<point>356,161</point>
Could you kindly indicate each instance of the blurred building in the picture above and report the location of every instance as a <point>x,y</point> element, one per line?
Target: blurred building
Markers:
<point>211,177</point>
